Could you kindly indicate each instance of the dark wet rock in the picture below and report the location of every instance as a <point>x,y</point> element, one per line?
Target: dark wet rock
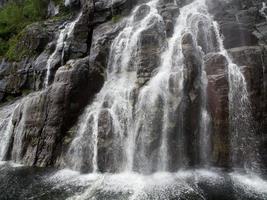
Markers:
<point>169,12</point>
<point>110,147</point>
<point>237,20</point>
<point>2,3</point>
<point>253,62</point>
<point>152,43</point>
<point>192,92</point>
<point>261,32</point>
<point>112,10</point>
<point>102,38</point>
<point>42,120</point>
<point>216,69</point>
<point>79,44</point>
<point>18,78</point>
<point>73,4</point>
<point>142,12</point>
<point>237,35</point>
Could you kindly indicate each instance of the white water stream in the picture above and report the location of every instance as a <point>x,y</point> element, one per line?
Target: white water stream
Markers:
<point>58,54</point>
<point>140,125</point>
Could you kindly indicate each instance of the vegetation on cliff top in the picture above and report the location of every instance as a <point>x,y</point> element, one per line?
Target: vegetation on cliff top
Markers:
<point>14,17</point>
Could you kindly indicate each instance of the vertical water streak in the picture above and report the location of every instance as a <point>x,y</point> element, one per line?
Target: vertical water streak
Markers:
<point>263,10</point>
<point>6,128</point>
<point>19,133</point>
<point>244,145</point>
<point>66,2</point>
<point>205,125</point>
<point>114,101</point>
<point>58,53</point>
<point>189,21</point>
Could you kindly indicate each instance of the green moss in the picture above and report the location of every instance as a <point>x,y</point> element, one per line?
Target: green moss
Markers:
<point>26,92</point>
<point>14,17</point>
<point>116,18</point>
<point>17,51</point>
<point>3,47</point>
<point>10,98</point>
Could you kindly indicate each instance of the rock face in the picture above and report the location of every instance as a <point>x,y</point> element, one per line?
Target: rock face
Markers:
<point>43,119</point>
<point>237,20</point>
<point>216,69</point>
<point>2,3</point>
<point>43,123</point>
<point>192,61</point>
<point>253,60</point>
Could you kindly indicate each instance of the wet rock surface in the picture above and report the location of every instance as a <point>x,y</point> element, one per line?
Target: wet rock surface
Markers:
<point>43,123</point>
<point>218,89</point>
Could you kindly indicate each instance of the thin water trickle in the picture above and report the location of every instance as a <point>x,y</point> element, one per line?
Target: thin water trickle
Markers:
<point>244,145</point>
<point>263,10</point>
<point>58,54</point>
<point>6,127</point>
<point>19,136</point>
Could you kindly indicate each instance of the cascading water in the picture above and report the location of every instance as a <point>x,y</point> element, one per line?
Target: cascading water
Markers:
<point>263,10</point>
<point>165,92</point>
<point>132,126</point>
<point>6,127</point>
<point>140,125</point>
<point>58,54</point>
<point>19,136</point>
<point>114,102</point>
<point>244,145</point>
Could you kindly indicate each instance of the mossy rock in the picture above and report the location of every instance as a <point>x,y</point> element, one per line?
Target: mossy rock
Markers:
<point>29,42</point>
<point>17,40</point>
<point>116,18</point>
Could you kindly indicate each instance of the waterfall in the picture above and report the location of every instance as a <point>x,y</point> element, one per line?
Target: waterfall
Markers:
<point>58,54</point>
<point>263,10</point>
<point>165,92</point>
<point>244,145</point>
<point>66,2</point>
<point>6,128</point>
<point>114,102</point>
<point>142,128</point>
<point>155,112</point>
<point>19,136</point>
<point>205,125</point>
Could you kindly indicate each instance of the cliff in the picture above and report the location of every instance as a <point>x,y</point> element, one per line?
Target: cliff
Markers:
<point>46,109</point>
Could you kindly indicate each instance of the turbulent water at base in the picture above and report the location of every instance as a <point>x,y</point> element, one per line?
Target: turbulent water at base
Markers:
<point>43,184</point>
<point>58,55</point>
